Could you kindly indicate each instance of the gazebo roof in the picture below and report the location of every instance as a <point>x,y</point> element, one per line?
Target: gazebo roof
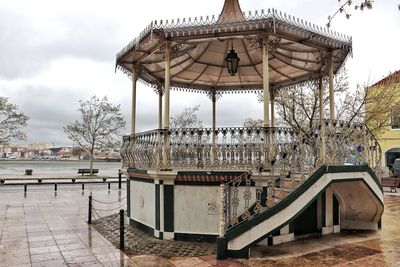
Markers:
<point>298,50</point>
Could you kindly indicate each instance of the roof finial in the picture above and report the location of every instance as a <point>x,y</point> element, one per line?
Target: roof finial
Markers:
<point>231,12</point>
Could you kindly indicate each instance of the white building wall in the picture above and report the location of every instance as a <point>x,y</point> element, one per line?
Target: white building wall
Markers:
<point>143,202</point>
<point>197,208</point>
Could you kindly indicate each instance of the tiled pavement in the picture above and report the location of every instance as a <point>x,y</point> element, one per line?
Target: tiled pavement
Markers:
<point>363,248</point>
<point>137,242</point>
<point>44,228</point>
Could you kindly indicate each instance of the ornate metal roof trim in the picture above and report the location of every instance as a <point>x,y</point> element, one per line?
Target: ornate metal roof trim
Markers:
<point>181,27</point>
<point>226,90</point>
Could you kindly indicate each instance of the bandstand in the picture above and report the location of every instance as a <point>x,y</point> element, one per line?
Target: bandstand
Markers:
<point>237,186</point>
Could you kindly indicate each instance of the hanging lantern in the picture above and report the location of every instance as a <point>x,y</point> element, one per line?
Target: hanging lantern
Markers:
<point>232,62</point>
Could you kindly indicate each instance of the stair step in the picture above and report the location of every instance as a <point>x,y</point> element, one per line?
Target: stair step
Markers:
<point>290,183</point>
<point>281,193</point>
<point>299,176</point>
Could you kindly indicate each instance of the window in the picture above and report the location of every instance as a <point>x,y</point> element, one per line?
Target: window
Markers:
<point>396,119</point>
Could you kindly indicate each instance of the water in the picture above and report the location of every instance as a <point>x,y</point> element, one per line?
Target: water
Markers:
<point>55,167</point>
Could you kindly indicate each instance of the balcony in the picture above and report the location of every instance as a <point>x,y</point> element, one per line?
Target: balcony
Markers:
<point>238,148</point>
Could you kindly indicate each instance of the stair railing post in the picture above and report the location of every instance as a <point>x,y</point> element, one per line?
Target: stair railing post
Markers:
<point>222,222</point>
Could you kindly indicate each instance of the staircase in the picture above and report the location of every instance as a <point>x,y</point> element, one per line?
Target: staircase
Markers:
<point>356,189</point>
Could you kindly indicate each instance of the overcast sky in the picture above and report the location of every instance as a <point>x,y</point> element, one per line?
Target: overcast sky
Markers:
<point>55,52</point>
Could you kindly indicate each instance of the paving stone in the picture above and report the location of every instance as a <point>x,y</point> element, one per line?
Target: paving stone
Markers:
<point>138,243</point>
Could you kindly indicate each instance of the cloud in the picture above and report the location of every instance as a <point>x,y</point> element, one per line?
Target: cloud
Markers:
<point>54,53</point>
<point>29,46</point>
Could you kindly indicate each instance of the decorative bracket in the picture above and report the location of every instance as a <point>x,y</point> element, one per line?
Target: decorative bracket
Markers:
<point>159,89</point>
<point>173,48</point>
<point>258,43</point>
<point>214,95</point>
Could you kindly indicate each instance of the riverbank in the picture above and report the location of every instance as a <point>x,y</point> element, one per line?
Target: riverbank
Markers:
<point>55,168</point>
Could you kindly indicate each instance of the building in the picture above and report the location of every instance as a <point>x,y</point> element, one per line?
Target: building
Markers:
<point>389,137</point>
<point>243,186</point>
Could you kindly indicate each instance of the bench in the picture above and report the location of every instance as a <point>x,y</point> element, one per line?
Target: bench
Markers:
<point>393,183</point>
<point>87,171</point>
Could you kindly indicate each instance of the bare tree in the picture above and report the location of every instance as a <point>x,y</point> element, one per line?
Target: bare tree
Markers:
<point>344,6</point>
<point>11,122</point>
<point>298,107</point>
<point>188,118</point>
<point>99,126</point>
<point>253,123</point>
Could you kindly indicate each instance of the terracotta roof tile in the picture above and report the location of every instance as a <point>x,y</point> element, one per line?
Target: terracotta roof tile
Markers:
<point>391,79</point>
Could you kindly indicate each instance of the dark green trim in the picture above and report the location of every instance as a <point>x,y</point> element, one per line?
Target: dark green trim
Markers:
<point>197,183</point>
<point>307,221</point>
<point>133,170</point>
<point>149,181</point>
<point>141,226</point>
<point>212,173</point>
<point>128,197</point>
<point>335,208</point>
<point>207,183</point>
<point>157,206</point>
<point>221,248</point>
<point>246,226</point>
<point>195,237</point>
<point>169,208</point>
<point>323,221</point>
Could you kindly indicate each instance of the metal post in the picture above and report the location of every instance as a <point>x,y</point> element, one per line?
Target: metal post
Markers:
<point>83,186</point>
<point>167,80</point>
<point>134,80</point>
<point>272,108</point>
<point>25,187</point>
<point>322,122</point>
<point>160,95</point>
<point>214,124</point>
<point>121,230</point>
<point>331,89</point>
<point>266,80</point>
<point>55,187</point>
<point>119,180</point>
<point>109,185</point>
<point>222,211</point>
<point>90,209</point>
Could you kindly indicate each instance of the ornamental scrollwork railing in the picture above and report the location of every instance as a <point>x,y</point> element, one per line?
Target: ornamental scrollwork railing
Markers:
<point>346,143</point>
<point>240,148</point>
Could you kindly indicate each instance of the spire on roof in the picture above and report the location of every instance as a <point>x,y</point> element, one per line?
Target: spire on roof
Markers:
<point>231,12</point>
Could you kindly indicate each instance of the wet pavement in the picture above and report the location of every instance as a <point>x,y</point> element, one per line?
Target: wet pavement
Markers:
<point>47,228</point>
<point>138,242</point>
<point>361,248</point>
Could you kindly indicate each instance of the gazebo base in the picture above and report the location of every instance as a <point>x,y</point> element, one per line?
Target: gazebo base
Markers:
<point>186,205</point>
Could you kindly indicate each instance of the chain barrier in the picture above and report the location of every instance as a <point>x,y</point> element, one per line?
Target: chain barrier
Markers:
<point>94,211</point>
<point>105,202</point>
